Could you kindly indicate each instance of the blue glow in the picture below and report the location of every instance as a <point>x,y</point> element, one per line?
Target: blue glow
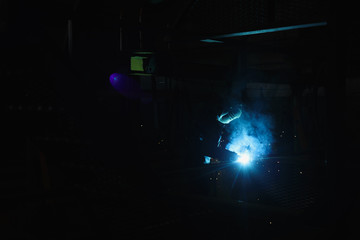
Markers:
<point>211,41</point>
<point>269,30</point>
<point>250,137</point>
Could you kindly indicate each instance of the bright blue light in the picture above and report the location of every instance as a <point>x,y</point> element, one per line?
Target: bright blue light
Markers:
<point>269,30</point>
<point>250,137</point>
<point>244,159</point>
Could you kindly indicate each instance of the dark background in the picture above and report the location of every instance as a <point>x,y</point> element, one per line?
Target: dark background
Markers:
<point>81,160</point>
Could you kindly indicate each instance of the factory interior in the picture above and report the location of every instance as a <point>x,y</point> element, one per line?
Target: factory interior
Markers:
<point>180,119</point>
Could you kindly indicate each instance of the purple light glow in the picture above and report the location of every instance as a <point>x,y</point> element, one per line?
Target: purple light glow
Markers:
<point>125,85</point>
<point>117,80</point>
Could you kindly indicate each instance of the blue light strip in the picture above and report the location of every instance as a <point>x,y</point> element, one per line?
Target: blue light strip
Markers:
<point>211,41</point>
<point>269,30</point>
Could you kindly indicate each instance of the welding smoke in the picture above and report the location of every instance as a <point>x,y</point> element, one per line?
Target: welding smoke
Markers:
<point>251,134</point>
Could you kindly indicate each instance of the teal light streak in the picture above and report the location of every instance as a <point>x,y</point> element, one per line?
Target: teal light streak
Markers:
<point>211,41</point>
<point>269,30</point>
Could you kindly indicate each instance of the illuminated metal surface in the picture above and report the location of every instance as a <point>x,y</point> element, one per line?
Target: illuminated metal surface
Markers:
<point>207,160</point>
<point>227,117</point>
